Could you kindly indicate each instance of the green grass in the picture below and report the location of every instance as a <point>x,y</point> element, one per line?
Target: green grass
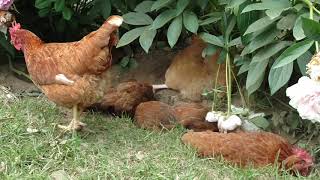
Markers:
<point>111,148</point>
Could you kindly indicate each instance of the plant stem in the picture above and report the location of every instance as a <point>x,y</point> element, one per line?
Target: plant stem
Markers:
<point>228,79</point>
<point>311,8</point>
<point>215,87</point>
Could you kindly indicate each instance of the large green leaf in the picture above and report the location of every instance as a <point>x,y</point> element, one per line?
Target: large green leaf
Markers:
<point>144,6</point>
<point>130,36</point>
<point>270,50</point>
<point>160,4</point>
<point>278,77</point>
<point>244,67</point>
<point>174,31</point>
<point>105,8</point>
<point>137,18</point>
<point>235,3</point>
<point>302,61</point>
<point>274,5</point>
<point>163,18</point>
<point>146,38</point>
<point>209,20</point>
<point>265,38</point>
<point>181,5</point>
<point>260,24</point>
<point>287,22</point>
<point>230,27</point>
<point>297,31</point>
<point>292,53</point>
<point>256,75</point>
<point>311,28</point>
<point>67,13</point>
<point>190,21</point>
<point>59,5</point>
<point>212,39</point>
<point>40,4</point>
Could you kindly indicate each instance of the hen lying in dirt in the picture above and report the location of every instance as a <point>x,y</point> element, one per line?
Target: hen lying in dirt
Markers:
<point>245,149</point>
<point>70,74</point>
<point>156,115</point>
<point>125,97</point>
<point>191,74</point>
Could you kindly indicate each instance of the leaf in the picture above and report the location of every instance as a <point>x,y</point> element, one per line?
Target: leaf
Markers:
<point>235,42</point>
<point>160,4</point>
<point>230,27</point>
<point>181,5</point>
<point>298,30</point>
<point>43,12</point>
<point>144,6</point>
<point>278,77</point>
<point>235,3</point>
<point>174,31</point>
<point>212,39</point>
<point>292,53</point>
<point>190,21</point>
<point>146,39</point>
<point>287,22</point>
<point>260,24</point>
<point>256,75</point>
<point>137,18</point>
<point>261,40</point>
<point>261,122</point>
<point>311,28</point>
<point>270,50</point>
<point>303,60</point>
<point>105,8</point>
<point>270,4</point>
<point>209,51</point>
<point>67,13</point>
<point>163,18</point>
<point>209,20</point>
<point>202,3</point>
<point>244,67</point>
<point>40,4</point>
<point>59,5</point>
<point>244,20</point>
<point>130,36</point>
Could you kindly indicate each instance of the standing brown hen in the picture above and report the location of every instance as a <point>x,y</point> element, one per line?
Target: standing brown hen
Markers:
<point>257,149</point>
<point>69,73</point>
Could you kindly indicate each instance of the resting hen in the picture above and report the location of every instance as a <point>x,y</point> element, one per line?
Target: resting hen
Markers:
<point>156,115</point>
<point>70,74</point>
<point>245,149</point>
<point>125,97</point>
<point>191,74</point>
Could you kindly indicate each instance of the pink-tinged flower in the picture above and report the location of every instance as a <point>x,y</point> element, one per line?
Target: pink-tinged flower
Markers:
<point>305,97</point>
<point>5,4</point>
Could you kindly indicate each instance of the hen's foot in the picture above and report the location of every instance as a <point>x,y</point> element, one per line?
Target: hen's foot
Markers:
<point>73,126</point>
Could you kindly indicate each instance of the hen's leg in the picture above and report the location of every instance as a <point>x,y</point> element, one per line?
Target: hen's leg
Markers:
<point>75,124</point>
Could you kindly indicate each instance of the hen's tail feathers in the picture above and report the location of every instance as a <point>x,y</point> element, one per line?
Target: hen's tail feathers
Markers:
<point>115,20</point>
<point>159,86</point>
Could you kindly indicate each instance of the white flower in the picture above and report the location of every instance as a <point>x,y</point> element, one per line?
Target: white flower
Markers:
<point>213,116</point>
<point>230,124</point>
<point>305,97</point>
<point>5,4</point>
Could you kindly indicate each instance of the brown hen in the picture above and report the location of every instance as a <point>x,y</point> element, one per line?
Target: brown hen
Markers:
<point>245,149</point>
<point>70,74</point>
<point>156,115</point>
<point>125,97</point>
<point>191,74</point>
